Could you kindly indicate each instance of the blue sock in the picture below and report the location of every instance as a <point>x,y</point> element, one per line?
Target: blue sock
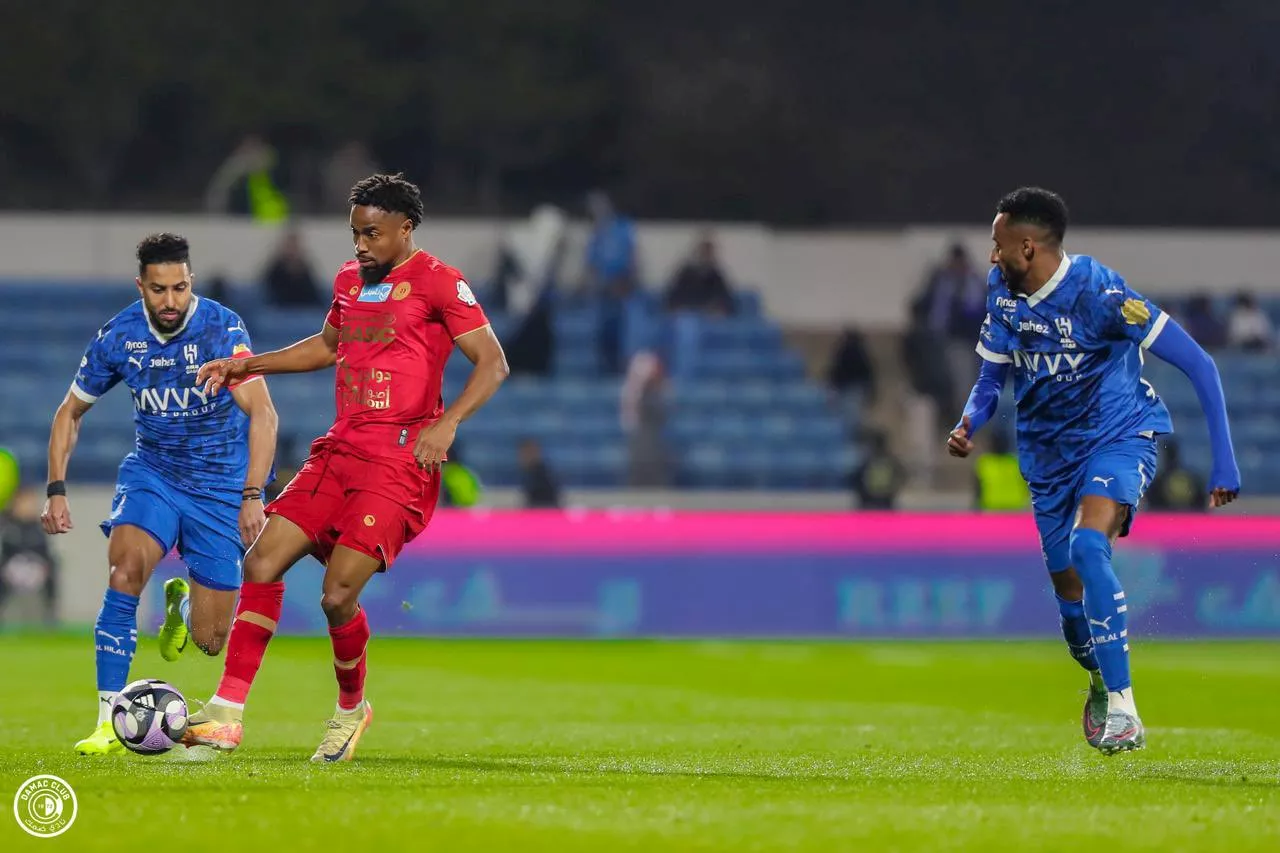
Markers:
<point>185,609</point>
<point>1075,628</point>
<point>115,638</point>
<point>1104,605</point>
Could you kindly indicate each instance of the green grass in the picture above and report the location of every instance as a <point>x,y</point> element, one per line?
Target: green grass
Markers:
<point>675,745</point>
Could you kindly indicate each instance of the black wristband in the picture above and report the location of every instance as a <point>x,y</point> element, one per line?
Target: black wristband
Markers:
<point>58,488</point>
<point>250,493</point>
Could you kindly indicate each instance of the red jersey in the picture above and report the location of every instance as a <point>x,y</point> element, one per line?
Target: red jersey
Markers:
<point>393,341</point>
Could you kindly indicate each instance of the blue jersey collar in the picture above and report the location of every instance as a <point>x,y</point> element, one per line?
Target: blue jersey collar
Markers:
<point>165,338</point>
<point>1052,284</point>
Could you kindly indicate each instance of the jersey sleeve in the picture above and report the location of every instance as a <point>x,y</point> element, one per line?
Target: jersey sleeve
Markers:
<point>238,345</point>
<point>97,373</point>
<point>457,307</point>
<point>1128,315</point>
<point>995,338</point>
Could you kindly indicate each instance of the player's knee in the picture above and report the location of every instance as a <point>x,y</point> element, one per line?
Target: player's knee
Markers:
<point>210,640</point>
<point>1067,585</point>
<point>259,568</point>
<point>127,576</point>
<point>339,603</point>
<point>1090,550</point>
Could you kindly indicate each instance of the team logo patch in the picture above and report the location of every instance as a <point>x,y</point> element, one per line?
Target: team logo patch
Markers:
<point>465,294</point>
<point>1135,312</point>
<point>239,348</point>
<point>375,292</point>
<point>402,290</point>
<point>353,291</point>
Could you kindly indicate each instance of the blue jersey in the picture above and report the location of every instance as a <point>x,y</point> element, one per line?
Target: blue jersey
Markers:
<point>193,440</point>
<point>1076,350</point>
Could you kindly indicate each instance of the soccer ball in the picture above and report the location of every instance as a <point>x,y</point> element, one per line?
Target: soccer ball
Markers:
<point>149,716</point>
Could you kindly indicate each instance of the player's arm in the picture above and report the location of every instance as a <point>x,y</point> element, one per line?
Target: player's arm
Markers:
<point>1131,316</point>
<point>314,353</point>
<point>985,396</point>
<point>255,400</point>
<point>97,375</point>
<point>1172,344</point>
<point>63,435</point>
<point>488,372</point>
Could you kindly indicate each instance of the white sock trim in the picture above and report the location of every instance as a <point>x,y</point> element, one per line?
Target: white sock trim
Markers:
<point>1122,700</point>
<point>105,698</point>
<point>226,703</point>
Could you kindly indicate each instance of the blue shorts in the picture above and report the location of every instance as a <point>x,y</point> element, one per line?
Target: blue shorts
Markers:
<point>205,530</point>
<point>1120,471</point>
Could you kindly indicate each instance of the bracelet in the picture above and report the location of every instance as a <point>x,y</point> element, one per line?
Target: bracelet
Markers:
<point>58,488</point>
<point>250,493</point>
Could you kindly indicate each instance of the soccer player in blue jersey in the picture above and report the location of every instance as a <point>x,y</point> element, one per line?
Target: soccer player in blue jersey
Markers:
<point>194,479</point>
<point>1074,334</point>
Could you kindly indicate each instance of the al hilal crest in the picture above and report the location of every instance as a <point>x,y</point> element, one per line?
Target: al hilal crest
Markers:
<point>465,294</point>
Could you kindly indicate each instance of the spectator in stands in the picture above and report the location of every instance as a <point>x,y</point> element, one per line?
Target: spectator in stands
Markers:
<point>611,249</point>
<point>539,485</point>
<point>1175,488</point>
<point>248,182</point>
<point>644,418</point>
<point>921,353</point>
<point>700,285</point>
<point>1248,327</point>
<point>289,280</point>
<point>952,305</point>
<point>610,271</point>
<point>26,562</point>
<point>879,479</point>
<point>851,375</point>
<point>1202,323</point>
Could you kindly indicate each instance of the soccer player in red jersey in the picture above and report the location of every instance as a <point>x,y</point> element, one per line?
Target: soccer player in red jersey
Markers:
<point>370,484</point>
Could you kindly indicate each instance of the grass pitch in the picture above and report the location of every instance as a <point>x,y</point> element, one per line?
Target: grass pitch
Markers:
<point>673,746</point>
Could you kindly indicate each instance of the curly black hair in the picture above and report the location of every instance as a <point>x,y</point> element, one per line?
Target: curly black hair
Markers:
<point>391,193</point>
<point>164,248</point>
<point>1036,206</point>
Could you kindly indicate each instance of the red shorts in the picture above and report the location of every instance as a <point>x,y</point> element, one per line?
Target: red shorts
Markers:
<point>371,505</point>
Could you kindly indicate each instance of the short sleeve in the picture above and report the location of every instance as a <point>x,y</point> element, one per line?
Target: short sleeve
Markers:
<point>995,340</point>
<point>1129,315</point>
<point>238,345</point>
<point>334,317</point>
<point>459,309</point>
<point>97,375</point>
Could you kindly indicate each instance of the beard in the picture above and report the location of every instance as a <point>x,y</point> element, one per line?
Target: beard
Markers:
<point>1013,278</point>
<point>166,326</point>
<point>375,274</point>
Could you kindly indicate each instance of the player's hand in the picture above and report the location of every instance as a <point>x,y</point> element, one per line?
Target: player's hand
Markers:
<point>56,517</point>
<point>958,443</point>
<point>433,443</point>
<point>1224,484</point>
<point>252,520</point>
<point>215,374</point>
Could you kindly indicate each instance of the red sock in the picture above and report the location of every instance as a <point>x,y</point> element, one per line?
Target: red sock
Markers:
<point>349,643</point>
<point>256,617</point>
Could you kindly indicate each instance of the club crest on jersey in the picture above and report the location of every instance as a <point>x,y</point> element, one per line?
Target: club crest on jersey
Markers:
<point>1063,325</point>
<point>374,292</point>
<point>464,293</point>
<point>191,352</point>
<point>1135,312</point>
<point>402,290</point>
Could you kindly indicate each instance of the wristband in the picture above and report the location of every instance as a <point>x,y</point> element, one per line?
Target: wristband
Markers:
<point>250,493</point>
<point>58,488</point>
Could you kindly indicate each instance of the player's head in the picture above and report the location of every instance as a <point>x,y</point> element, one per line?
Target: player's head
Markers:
<point>384,211</point>
<point>164,279</point>
<point>1028,230</point>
